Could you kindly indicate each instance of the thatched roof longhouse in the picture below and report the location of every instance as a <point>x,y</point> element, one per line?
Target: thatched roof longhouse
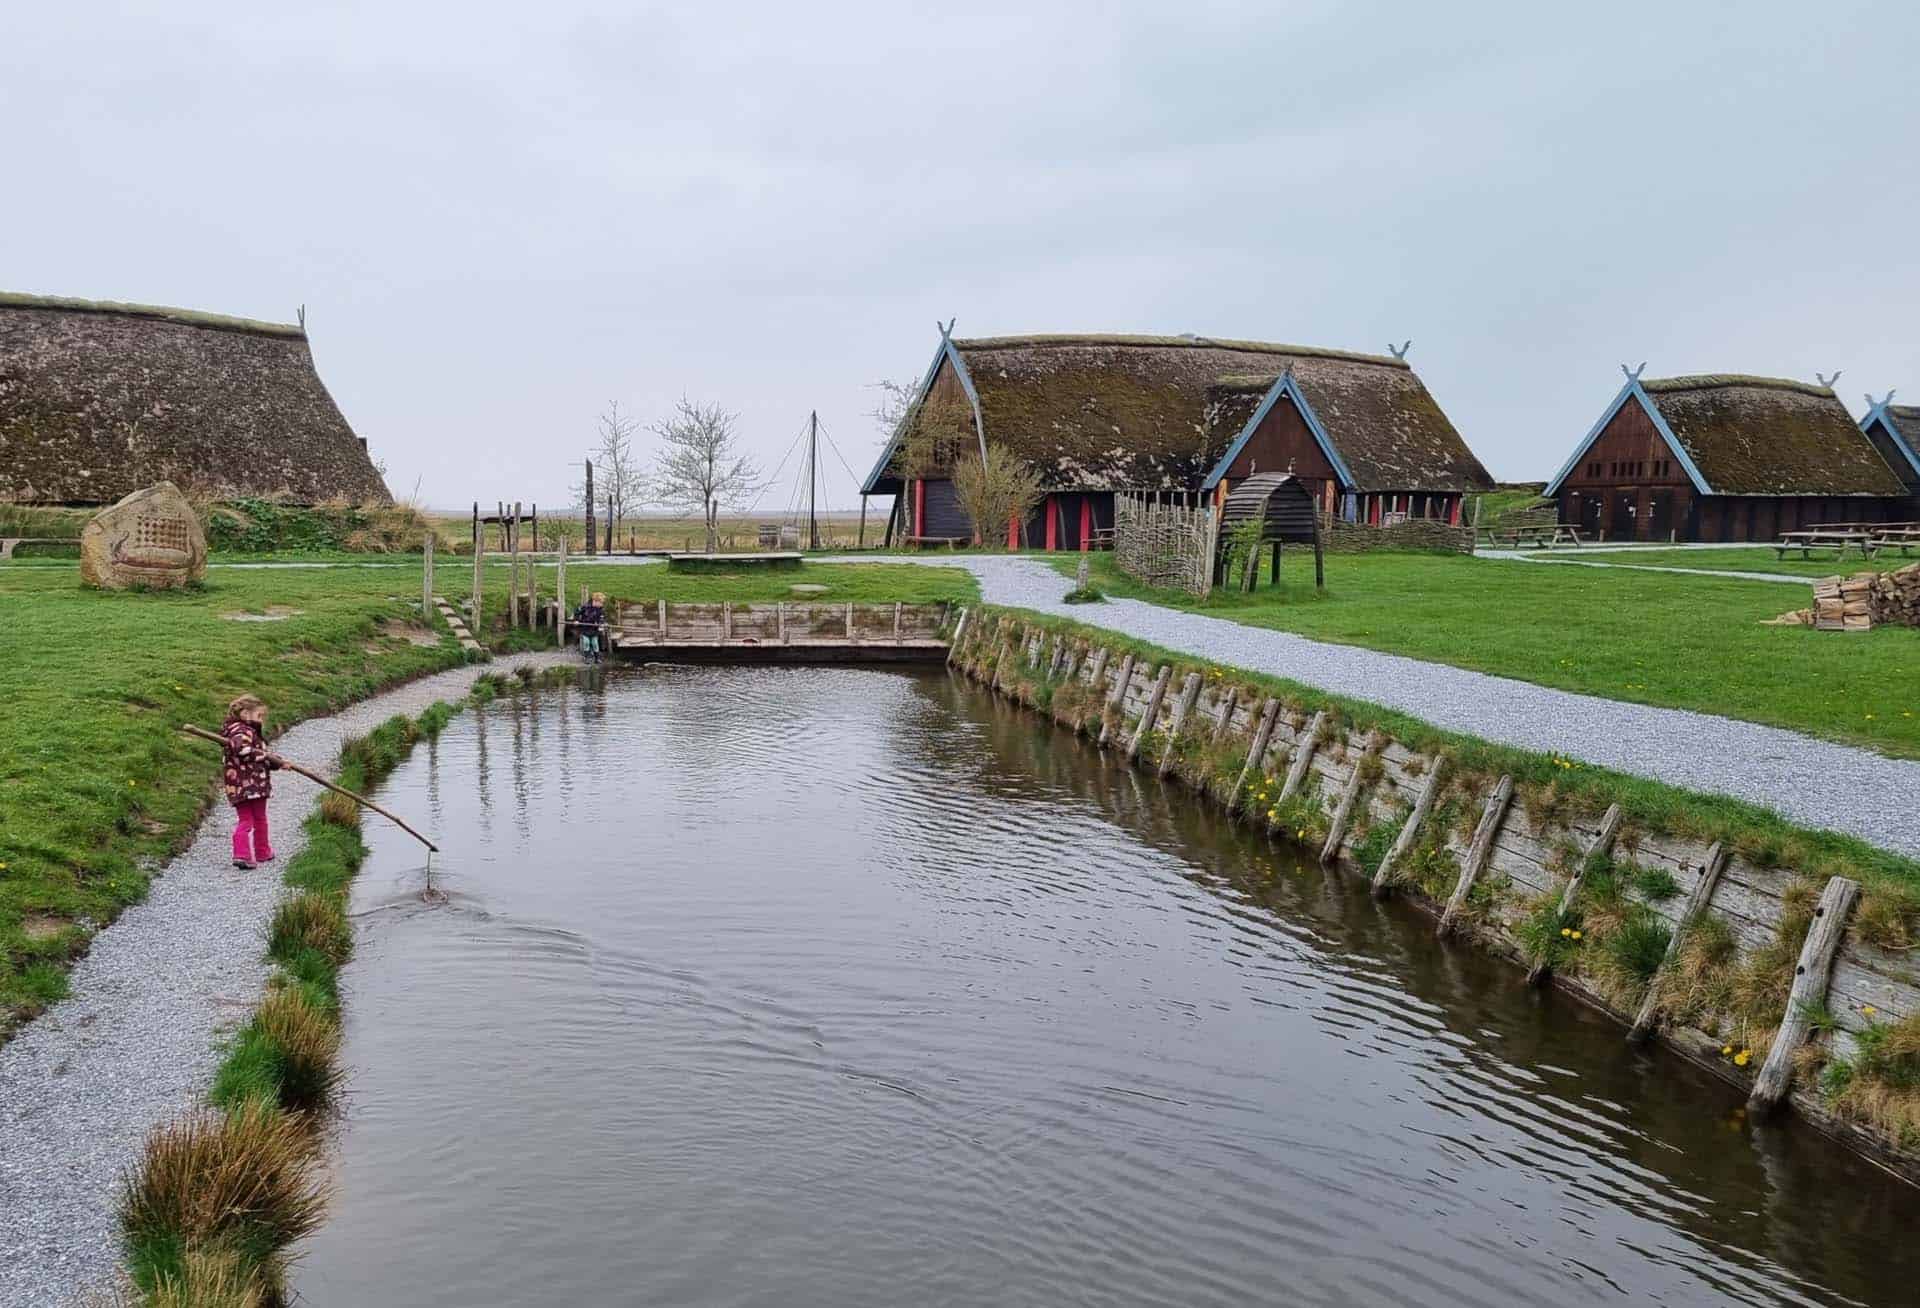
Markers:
<point>1105,413</point>
<point>99,399</point>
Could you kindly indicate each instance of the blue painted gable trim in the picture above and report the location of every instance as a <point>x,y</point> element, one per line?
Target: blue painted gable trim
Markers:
<point>1880,415</point>
<point>940,355</point>
<point>1631,391</point>
<point>1288,386</point>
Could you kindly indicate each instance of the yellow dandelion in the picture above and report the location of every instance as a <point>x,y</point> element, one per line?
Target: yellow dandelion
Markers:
<point>132,782</point>
<point>1566,931</point>
<point>1742,1058</point>
<point>1576,935</point>
<point>1726,1051</point>
<point>1868,1009</point>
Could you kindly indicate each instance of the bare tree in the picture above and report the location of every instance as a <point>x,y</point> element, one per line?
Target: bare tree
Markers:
<point>701,469</point>
<point>618,479</point>
<point>996,491</point>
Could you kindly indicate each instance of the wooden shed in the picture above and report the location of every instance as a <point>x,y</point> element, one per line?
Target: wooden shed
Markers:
<point>1288,512</point>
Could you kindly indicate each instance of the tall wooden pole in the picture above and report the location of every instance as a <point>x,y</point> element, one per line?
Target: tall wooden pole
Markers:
<point>426,582</point>
<point>560,594</point>
<point>592,543</point>
<point>813,465</point>
<point>473,616</point>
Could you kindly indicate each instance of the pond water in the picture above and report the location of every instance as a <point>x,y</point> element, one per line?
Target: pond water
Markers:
<point>849,987</point>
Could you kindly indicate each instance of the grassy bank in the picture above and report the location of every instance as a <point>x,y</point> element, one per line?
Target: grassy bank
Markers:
<point>1671,640</point>
<point>97,786</point>
<point>219,1196</point>
<point>1552,784</point>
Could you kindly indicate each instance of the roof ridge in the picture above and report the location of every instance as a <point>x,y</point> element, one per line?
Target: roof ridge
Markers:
<point>161,312</point>
<point>1725,380</point>
<point>1176,342</point>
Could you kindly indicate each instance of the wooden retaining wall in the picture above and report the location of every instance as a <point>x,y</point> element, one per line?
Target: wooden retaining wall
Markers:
<point>1202,733</point>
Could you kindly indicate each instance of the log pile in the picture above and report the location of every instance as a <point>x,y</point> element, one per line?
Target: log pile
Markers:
<point>1868,599</point>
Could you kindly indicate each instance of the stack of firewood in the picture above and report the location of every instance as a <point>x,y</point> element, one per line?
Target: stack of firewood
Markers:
<point>1868,599</point>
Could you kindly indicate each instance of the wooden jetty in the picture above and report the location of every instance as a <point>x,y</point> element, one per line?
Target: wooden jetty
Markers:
<point>660,632</point>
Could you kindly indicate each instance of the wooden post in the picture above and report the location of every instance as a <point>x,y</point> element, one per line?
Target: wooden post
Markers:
<point>1117,695</point>
<point>1151,714</point>
<point>560,594</point>
<point>1269,714</point>
<point>1602,845</point>
<point>850,639</point>
<point>896,621</point>
<point>1697,903</point>
<point>780,624</point>
<point>1189,692</point>
<point>1479,851</point>
<point>426,582</point>
<point>1356,783</point>
<point>726,622</point>
<point>663,622</point>
<point>1810,977</point>
<point>593,537</point>
<point>1303,752</point>
<point>1422,805</point>
<point>1319,558</point>
<point>1224,719</point>
<point>959,631</point>
<point>479,563</point>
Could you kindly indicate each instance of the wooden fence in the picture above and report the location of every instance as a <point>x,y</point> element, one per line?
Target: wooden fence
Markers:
<point>1164,544</point>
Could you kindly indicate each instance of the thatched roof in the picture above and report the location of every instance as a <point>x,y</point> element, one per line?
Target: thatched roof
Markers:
<point>1149,412</point>
<point>1769,436</point>
<point>1386,429</point>
<point>99,399</point>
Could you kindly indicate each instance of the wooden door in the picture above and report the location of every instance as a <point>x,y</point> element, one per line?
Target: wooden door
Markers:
<point>1659,514</point>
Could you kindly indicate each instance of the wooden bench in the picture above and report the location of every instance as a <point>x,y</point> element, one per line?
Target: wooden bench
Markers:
<point>1837,541</point>
<point>1544,538</point>
<point>951,542</point>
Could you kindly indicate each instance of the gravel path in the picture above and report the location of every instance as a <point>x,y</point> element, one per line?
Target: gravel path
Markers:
<point>136,1042</point>
<point>1813,782</point>
<point>1510,556</point>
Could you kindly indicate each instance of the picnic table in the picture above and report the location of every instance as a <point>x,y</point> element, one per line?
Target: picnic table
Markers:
<point>1818,539</point>
<point>1544,538</point>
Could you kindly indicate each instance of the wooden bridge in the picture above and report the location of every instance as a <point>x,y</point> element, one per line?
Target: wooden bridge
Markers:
<point>656,631</point>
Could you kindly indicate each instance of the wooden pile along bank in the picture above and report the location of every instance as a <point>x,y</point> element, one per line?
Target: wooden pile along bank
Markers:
<point>1867,600</point>
<point>1512,850</point>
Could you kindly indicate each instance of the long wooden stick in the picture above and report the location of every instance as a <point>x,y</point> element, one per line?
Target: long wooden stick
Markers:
<point>290,766</point>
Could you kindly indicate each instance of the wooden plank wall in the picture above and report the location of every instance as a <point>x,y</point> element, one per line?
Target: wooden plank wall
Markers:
<point>1530,852</point>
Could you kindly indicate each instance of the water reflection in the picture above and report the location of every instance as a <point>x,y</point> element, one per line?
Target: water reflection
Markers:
<point>841,986</point>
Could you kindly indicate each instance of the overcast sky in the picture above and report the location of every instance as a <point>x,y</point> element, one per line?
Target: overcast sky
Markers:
<point>500,217</point>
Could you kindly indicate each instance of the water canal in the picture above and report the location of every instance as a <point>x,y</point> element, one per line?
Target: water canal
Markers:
<point>848,987</point>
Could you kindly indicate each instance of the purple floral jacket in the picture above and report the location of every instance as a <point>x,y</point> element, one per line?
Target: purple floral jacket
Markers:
<point>249,769</point>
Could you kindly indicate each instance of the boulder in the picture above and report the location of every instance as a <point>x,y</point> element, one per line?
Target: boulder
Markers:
<point>150,540</point>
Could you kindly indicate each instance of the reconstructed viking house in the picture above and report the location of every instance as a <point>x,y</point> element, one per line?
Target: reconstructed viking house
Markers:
<point>1186,415</point>
<point>1723,458</point>
<point>1894,430</point>
<point>98,400</point>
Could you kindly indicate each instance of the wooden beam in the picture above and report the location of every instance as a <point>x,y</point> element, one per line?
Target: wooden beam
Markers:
<point>780,624</point>
<point>663,620</point>
<point>1697,903</point>
<point>1269,714</point>
<point>560,594</point>
<point>1356,783</point>
<point>1410,832</point>
<point>1223,718</point>
<point>959,627</point>
<point>1478,852</point>
<point>1151,714</point>
<point>1303,750</point>
<point>1117,696</point>
<point>1602,846</point>
<point>1810,977</point>
<point>1189,692</point>
<point>726,622</point>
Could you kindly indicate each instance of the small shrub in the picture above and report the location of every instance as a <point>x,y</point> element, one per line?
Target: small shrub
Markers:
<point>1084,595</point>
<point>309,921</point>
<point>1654,884</point>
<point>1888,917</point>
<point>340,810</point>
<point>288,1055</point>
<point>209,1278</point>
<point>243,1182</point>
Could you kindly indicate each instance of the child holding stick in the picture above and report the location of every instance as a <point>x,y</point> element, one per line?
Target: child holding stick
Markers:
<point>248,776</point>
<point>591,619</point>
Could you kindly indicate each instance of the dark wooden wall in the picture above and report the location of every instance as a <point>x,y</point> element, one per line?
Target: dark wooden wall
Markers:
<point>1883,441</point>
<point>1282,443</point>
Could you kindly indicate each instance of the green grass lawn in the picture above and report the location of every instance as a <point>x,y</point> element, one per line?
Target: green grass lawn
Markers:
<point>1743,559</point>
<point>95,781</point>
<point>1673,640</point>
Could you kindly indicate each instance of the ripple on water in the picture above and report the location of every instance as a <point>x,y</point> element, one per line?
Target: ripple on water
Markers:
<point>848,987</point>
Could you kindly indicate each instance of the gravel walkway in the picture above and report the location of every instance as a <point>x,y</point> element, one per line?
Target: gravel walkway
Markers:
<point>136,1043</point>
<point>1813,782</point>
<point>1510,556</point>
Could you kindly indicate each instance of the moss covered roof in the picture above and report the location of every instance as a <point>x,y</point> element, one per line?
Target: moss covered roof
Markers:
<point>98,401</point>
<point>1099,412</point>
<point>191,317</point>
<point>1770,436</point>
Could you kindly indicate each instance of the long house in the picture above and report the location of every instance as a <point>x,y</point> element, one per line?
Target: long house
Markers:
<point>1180,416</point>
<point>1724,458</point>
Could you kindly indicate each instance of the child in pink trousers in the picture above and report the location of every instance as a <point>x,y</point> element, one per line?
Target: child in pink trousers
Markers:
<point>249,779</point>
